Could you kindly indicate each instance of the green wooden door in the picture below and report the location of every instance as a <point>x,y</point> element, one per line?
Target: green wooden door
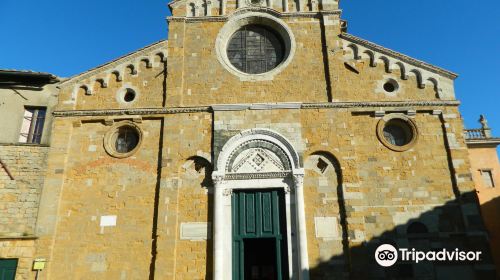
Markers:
<point>8,269</point>
<point>259,235</point>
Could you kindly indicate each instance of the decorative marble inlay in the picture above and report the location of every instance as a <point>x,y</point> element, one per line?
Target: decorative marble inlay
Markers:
<point>257,160</point>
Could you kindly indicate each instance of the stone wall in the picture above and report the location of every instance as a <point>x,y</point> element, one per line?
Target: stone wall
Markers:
<point>97,188</point>
<point>357,192</point>
<point>19,203</point>
<point>19,196</point>
<point>142,72</point>
<point>186,197</point>
<point>203,80</point>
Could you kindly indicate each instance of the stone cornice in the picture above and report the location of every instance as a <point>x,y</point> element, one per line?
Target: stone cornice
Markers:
<point>273,12</point>
<point>112,64</point>
<point>378,104</point>
<point>400,56</point>
<point>122,112</point>
<point>258,106</point>
<point>482,143</point>
<point>197,19</point>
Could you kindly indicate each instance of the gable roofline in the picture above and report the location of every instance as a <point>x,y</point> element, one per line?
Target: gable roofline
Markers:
<point>412,61</point>
<point>113,63</point>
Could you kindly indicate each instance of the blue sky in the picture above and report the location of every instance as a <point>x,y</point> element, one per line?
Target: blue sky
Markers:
<point>68,37</point>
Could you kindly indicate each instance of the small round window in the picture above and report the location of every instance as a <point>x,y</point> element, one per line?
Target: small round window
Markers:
<point>391,86</point>
<point>397,132</point>
<point>126,96</point>
<point>123,139</point>
<point>129,95</point>
<point>255,49</point>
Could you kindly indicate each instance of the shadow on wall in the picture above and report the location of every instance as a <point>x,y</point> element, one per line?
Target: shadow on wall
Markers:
<point>435,230</point>
<point>439,228</point>
<point>203,167</point>
<point>491,216</point>
<point>442,227</point>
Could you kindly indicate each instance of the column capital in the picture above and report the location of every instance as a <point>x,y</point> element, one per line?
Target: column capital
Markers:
<point>218,179</point>
<point>298,179</point>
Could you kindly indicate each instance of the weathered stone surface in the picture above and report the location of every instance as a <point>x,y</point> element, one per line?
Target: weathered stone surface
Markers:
<point>362,192</point>
<point>19,195</point>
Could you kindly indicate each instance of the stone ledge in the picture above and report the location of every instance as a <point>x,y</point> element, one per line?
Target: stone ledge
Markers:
<point>261,106</point>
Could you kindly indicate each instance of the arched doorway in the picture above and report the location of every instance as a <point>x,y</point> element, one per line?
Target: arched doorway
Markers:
<point>259,208</point>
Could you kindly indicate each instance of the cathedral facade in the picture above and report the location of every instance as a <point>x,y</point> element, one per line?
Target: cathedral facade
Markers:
<point>260,141</point>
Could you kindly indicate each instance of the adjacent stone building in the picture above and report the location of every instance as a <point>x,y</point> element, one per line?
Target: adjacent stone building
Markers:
<point>261,141</point>
<point>485,169</point>
<point>27,100</point>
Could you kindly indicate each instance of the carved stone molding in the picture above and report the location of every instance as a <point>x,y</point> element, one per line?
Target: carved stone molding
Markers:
<point>283,165</point>
<point>119,112</point>
<point>368,104</point>
<point>264,138</point>
<point>259,159</point>
<point>254,176</point>
<point>324,105</point>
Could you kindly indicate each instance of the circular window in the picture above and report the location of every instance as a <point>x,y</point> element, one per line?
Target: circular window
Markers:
<point>255,46</point>
<point>126,140</point>
<point>123,139</point>
<point>126,95</point>
<point>255,49</point>
<point>391,86</point>
<point>397,132</point>
<point>129,95</point>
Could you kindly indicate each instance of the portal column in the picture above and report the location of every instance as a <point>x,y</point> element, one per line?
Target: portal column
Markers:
<point>218,256</point>
<point>301,221</point>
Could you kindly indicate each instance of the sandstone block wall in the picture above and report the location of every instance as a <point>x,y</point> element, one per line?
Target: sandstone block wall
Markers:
<point>19,196</point>
<point>19,203</point>
<point>99,186</point>
<point>186,197</point>
<point>365,191</point>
